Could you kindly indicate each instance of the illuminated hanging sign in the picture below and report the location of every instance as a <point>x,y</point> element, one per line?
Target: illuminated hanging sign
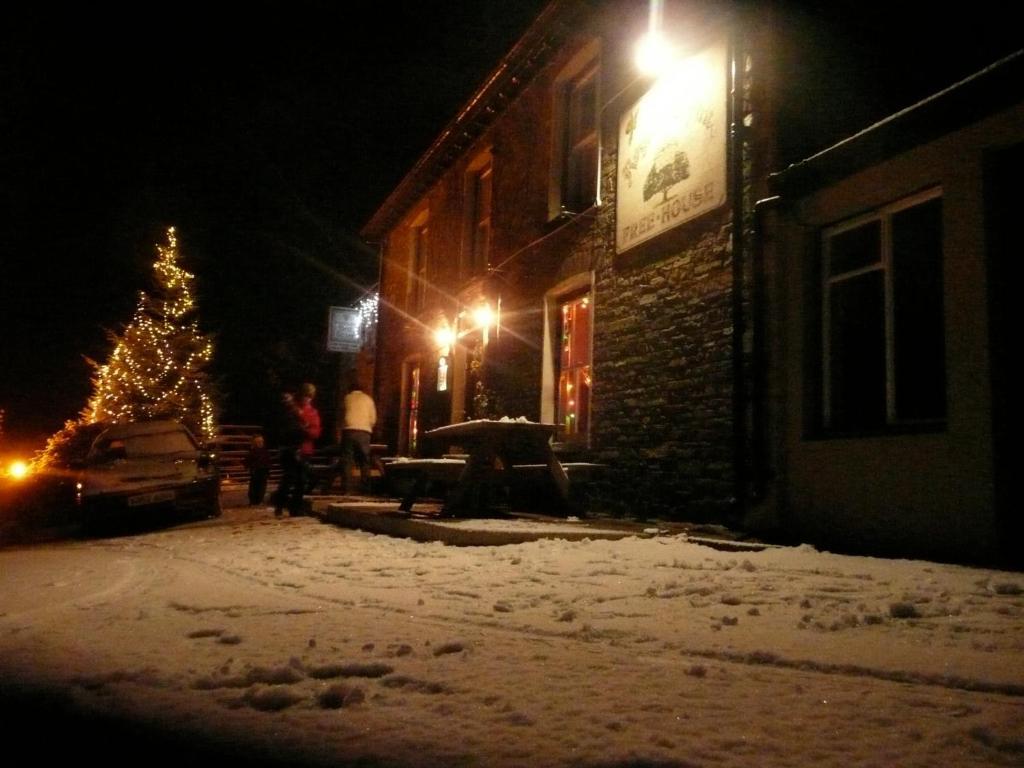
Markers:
<point>672,149</point>
<point>344,330</point>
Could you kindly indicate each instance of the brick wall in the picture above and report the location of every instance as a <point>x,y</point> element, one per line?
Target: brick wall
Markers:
<point>663,357</point>
<point>663,374</point>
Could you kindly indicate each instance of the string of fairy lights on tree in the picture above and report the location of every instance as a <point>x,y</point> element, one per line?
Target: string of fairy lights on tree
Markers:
<point>158,366</point>
<point>156,370</point>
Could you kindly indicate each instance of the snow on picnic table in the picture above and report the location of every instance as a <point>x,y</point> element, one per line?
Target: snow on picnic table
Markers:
<point>328,646</point>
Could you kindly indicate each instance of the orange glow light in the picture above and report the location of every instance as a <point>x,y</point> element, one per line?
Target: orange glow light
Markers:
<point>18,470</point>
<point>483,316</point>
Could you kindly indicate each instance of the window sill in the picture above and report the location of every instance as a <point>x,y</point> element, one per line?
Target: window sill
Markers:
<point>892,430</point>
<point>571,449</point>
<point>562,218</point>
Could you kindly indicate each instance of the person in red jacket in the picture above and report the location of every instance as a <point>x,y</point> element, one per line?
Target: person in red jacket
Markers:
<point>298,444</point>
<point>310,418</point>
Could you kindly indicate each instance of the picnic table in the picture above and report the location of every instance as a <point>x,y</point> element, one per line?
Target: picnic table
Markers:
<point>499,454</point>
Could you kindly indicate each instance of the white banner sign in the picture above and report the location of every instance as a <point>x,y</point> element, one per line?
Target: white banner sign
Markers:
<point>672,149</point>
<point>345,331</point>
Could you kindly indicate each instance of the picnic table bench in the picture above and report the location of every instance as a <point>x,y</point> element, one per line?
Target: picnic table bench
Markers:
<point>326,466</point>
<point>413,479</point>
<point>495,457</point>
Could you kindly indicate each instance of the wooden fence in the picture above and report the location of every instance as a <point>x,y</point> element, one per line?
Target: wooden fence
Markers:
<point>233,441</point>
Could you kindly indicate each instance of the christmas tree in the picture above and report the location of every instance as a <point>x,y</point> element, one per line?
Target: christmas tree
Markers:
<point>158,367</point>
<point>157,370</point>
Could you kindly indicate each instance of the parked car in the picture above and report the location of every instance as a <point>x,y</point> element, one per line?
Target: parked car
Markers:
<point>147,472</point>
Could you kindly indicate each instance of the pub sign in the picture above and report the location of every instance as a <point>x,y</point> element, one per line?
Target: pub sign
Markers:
<point>345,330</point>
<point>672,149</point>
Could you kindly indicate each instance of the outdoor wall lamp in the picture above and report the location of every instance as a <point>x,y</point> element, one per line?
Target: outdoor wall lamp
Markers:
<point>444,338</point>
<point>483,316</point>
<point>480,318</point>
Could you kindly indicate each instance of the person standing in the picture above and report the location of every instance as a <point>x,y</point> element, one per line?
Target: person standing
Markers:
<point>360,418</point>
<point>257,461</point>
<point>303,429</point>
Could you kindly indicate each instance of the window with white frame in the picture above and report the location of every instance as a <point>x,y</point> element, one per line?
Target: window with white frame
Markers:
<point>883,339</point>
<point>478,207</point>
<point>418,264</point>
<point>574,170</point>
<point>579,188</point>
<point>574,367</point>
<point>410,427</point>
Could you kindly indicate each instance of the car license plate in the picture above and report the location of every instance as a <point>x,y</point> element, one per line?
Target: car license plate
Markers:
<point>156,497</point>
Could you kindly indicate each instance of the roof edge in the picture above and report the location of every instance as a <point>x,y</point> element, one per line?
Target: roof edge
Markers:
<point>533,49</point>
<point>997,86</point>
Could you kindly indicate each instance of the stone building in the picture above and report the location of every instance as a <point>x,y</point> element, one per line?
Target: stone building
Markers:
<point>563,304</point>
<point>589,245</point>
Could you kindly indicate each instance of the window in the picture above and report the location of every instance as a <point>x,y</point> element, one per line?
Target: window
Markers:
<point>574,372</point>
<point>412,408</point>
<point>579,167</point>
<point>479,208</point>
<point>575,138</point>
<point>418,264</point>
<point>883,348</point>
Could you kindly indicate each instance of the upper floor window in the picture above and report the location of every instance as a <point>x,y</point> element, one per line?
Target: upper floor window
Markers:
<point>478,216</point>
<point>575,170</point>
<point>883,350</point>
<point>419,258</point>
<point>579,172</point>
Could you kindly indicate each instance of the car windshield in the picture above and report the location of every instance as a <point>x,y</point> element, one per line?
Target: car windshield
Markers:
<point>144,445</point>
<point>160,443</point>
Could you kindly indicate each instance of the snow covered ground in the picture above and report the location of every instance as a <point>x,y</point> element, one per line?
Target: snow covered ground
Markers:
<point>305,643</point>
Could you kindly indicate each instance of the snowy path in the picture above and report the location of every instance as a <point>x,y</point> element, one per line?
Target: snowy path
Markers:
<point>315,643</point>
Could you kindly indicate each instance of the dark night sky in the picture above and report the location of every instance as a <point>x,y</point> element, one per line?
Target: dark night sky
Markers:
<point>267,136</point>
<point>268,133</point>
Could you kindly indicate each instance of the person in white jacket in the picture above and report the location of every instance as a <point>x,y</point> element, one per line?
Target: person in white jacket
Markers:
<point>357,428</point>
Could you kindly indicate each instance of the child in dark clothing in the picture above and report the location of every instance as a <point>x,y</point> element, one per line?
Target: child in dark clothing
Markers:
<point>257,461</point>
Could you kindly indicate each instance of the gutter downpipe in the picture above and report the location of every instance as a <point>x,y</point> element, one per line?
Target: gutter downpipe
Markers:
<point>377,334</point>
<point>759,384</point>
<point>739,383</point>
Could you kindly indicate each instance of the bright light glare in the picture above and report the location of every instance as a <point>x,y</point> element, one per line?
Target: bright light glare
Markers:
<point>682,90</point>
<point>483,316</point>
<point>17,470</point>
<point>444,337</point>
<point>653,54</point>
